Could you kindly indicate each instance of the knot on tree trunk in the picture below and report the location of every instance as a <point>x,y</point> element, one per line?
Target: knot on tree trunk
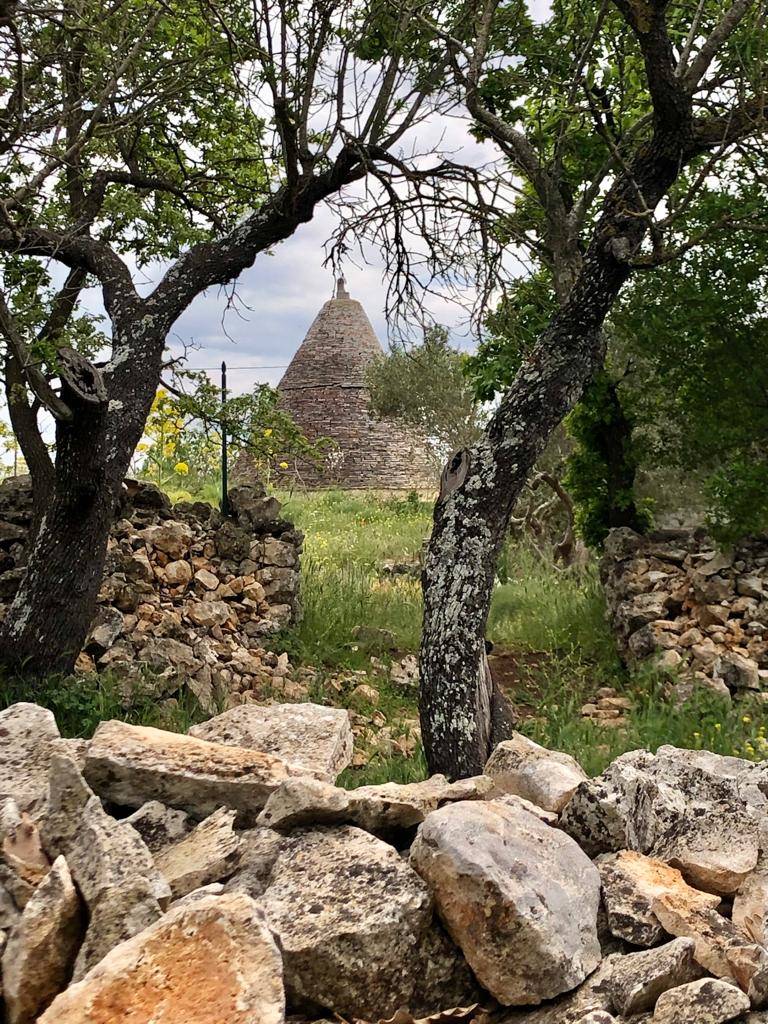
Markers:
<point>81,378</point>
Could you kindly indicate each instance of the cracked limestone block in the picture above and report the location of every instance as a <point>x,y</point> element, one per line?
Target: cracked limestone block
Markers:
<point>130,765</point>
<point>312,737</point>
<point>518,897</point>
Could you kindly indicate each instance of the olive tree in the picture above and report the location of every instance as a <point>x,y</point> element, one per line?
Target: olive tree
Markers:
<point>201,133</point>
<point>611,120</point>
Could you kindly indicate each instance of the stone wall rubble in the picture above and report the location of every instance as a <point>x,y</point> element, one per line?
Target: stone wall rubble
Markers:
<point>188,595</point>
<point>697,611</point>
<point>224,878</point>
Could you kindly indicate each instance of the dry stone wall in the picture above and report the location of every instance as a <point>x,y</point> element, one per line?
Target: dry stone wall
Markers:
<point>157,878</point>
<point>700,612</point>
<point>188,594</point>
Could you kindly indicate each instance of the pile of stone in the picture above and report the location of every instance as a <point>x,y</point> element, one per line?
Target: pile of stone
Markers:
<point>188,595</point>
<point>700,612</point>
<point>223,878</point>
<point>607,708</point>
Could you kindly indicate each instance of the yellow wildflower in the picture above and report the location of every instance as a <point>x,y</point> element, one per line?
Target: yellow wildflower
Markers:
<point>268,432</point>
<point>181,468</point>
<point>283,465</point>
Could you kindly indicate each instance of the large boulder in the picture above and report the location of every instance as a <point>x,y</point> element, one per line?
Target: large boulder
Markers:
<point>355,925</point>
<point>42,947</point>
<point>390,806</point>
<point>28,734</point>
<point>210,961</point>
<point>519,898</point>
<point>112,868</point>
<point>315,738</point>
<point>695,810</point>
<point>548,778</point>
<point>131,764</point>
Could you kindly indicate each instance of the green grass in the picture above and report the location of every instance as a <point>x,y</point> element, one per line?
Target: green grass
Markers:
<point>550,621</point>
<point>80,702</point>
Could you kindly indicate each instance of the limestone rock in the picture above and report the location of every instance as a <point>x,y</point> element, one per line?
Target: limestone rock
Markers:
<point>592,1001</point>
<point>750,906</point>
<point>208,854</point>
<point>42,947</point>
<point>720,947</point>
<point>259,852</point>
<point>171,537</point>
<point>638,979</point>
<point>159,826</point>
<point>111,866</point>
<point>707,1001</point>
<point>9,912</point>
<point>690,808</point>
<point>315,738</point>
<point>548,778</point>
<point>178,573</point>
<point>354,922</point>
<point>20,844</point>
<point>738,672</point>
<point>518,897</point>
<point>208,613</point>
<point>631,882</point>
<point>212,961</point>
<point>132,764</point>
<point>27,735</point>
<point>300,802</point>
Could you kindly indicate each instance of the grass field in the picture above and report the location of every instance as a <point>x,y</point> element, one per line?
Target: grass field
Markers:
<point>547,626</point>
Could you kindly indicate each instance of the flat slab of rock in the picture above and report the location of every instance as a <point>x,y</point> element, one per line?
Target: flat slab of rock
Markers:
<point>694,809</point>
<point>210,853</point>
<point>518,897</point>
<point>160,826</point>
<point>301,802</point>
<point>355,925</point>
<point>28,734</point>
<point>638,979</point>
<point>131,764</point>
<point>548,778</point>
<point>42,947</point>
<point>317,739</point>
<point>112,868</point>
<point>707,1001</point>
<point>212,961</point>
<point>631,882</point>
<point>719,946</point>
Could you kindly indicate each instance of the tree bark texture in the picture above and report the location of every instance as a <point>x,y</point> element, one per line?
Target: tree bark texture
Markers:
<point>472,517</point>
<point>50,616</point>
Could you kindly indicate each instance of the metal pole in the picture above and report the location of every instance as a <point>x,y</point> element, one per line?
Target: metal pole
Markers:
<point>224,482</point>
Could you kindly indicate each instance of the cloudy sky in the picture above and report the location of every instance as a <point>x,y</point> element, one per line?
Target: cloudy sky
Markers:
<point>282,293</point>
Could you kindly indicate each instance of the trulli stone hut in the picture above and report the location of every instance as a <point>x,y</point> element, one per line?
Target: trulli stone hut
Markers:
<point>324,389</point>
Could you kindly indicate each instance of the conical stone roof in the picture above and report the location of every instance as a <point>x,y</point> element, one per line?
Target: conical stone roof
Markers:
<point>325,391</point>
<point>338,349</point>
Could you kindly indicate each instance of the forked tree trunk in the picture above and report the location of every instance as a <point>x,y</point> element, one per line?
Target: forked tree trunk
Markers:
<point>479,492</point>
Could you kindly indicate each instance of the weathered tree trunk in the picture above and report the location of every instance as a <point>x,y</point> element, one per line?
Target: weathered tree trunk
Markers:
<point>49,618</point>
<point>470,524</point>
<point>482,486</point>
